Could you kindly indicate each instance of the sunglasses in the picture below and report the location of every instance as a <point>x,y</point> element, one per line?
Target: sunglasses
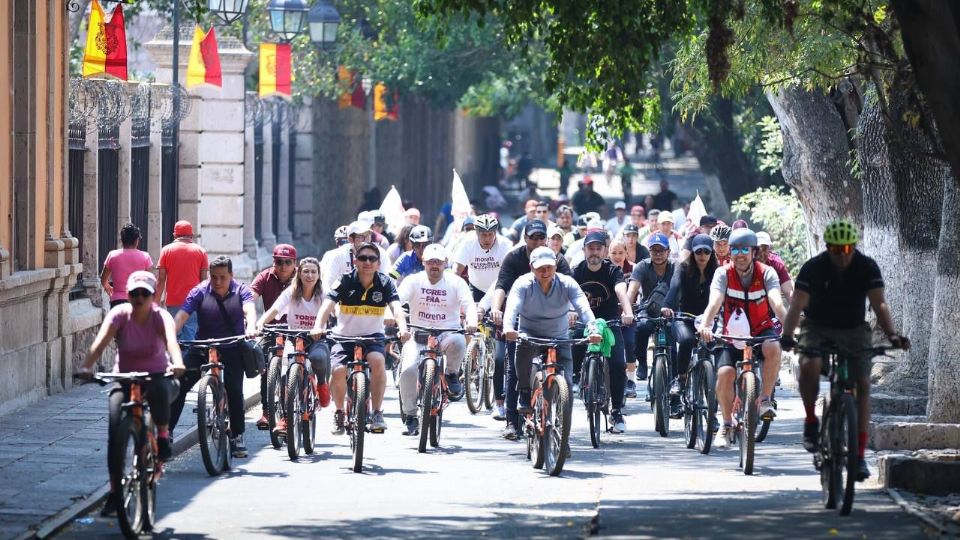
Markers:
<point>283,262</point>
<point>740,250</point>
<point>841,250</point>
<point>658,251</point>
<point>140,293</point>
<point>368,258</point>
<point>702,252</point>
<point>537,237</point>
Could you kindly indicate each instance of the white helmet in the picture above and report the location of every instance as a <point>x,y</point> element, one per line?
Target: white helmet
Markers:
<point>420,234</point>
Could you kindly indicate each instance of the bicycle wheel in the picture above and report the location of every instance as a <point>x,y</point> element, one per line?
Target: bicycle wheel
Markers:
<point>473,376</point>
<point>706,406</point>
<point>395,368</point>
<point>536,430</point>
<point>149,473</point>
<point>274,399</point>
<point>490,366</point>
<point>210,432</point>
<point>294,410</point>
<point>308,419</point>
<point>661,395</point>
<point>435,427</point>
<point>357,417</point>
<point>556,435</point>
<point>748,433</point>
<point>826,455</point>
<point>590,396</point>
<point>127,456</point>
<point>429,370</point>
<point>763,430</point>
<point>846,452</point>
<point>691,408</point>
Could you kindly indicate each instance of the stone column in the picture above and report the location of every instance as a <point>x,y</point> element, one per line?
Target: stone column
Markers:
<point>124,171</point>
<point>89,257</point>
<point>302,178</point>
<point>249,186</point>
<point>284,235</point>
<point>154,232</point>
<point>268,237</point>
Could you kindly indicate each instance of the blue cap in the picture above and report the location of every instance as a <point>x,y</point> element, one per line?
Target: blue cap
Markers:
<point>595,237</point>
<point>535,226</point>
<point>701,241</point>
<point>658,239</point>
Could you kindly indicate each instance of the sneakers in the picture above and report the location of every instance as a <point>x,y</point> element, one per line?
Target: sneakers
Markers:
<point>675,387</point>
<point>524,407</point>
<point>377,423</point>
<point>263,423</point>
<point>338,428</point>
<point>237,448</point>
<point>676,407</point>
<point>767,411</point>
<point>617,425</point>
<point>642,372</point>
<point>499,412</point>
<point>630,390</point>
<point>724,437</point>
<point>510,432</point>
<point>110,508</point>
<point>164,448</point>
<point>281,426</point>
<point>454,386</point>
<point>863,472</point>
<point>413,425</point>
<point>811,435</point>
<point>323,394</point>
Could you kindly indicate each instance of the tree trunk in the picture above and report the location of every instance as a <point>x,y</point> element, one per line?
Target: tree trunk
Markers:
<point>944,363</point>
<point>815,156</point>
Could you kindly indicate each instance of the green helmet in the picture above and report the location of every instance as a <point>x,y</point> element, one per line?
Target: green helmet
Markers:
<point>841,232</point>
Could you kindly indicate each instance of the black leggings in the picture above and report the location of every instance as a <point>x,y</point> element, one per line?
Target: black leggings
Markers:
<point>159,393</point>
<point>232,361</point>
<point>685,335</point>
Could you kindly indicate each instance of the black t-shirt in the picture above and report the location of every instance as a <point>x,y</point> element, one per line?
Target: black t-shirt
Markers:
<point>584,201</point>
<point>599,288</point>
<point>647,276</point>
<point>664,200</point>
<point>838,299</point>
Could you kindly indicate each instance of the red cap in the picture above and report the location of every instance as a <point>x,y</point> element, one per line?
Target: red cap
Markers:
<point>587,180</point>
<point>636,209</point>
<point>182,228</point>
<point>284,251</point>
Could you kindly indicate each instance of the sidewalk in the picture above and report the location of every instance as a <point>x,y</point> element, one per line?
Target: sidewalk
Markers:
<point>53,457</point>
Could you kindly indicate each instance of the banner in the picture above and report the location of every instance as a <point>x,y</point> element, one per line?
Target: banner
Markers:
<point>275,73</point>
<point>204,64</point>
<point>380,109</point>
<point>392,210</point>
<point>697,211</point>
<point>351,94</point>
<point>106,49</point>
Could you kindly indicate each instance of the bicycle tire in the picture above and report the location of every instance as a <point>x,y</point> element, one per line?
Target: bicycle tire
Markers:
<point>473,377</point>
<point>593,407</point>
<point>489,368</point>
<point>691,410</point>
<point>309,426</point>
<point>556,441</point>
<point>210,431</point>
<point>294,410</point>
<point>274,399</point>
<point>395,368</point>
<point>846,431</point>
<point>435,427</point>
<point>826,455</point>
<point>535,432</point>
<point>749,426</point>
<point>661,396</point>
<point>763,430</point>
<point>149,473</point>
<point>428,374</point>
<point>127,455</point>
<point>358,418</point>
<point>708,399</point>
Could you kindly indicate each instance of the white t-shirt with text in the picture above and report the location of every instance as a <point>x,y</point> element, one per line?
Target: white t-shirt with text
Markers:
<point>438,305</point>
<point>483,265</point>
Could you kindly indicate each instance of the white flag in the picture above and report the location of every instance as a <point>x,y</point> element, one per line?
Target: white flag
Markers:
<point>392,209</point>
<point>697,211</point>
<point>460,207</point>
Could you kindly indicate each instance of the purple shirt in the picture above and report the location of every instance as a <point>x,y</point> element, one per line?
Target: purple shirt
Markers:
<point>211,323</point>
<point>140,347</point>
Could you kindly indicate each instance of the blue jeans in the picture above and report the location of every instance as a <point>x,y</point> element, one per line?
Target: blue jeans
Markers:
<point>646,329</point>
<point>189,330</point>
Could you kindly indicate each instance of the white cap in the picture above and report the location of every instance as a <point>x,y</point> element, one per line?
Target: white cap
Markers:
<point>554,230</point>
<point>142,279</point>
<point>543,256</point>
<point>434,252</point>
<point>591,216</point>
<point>595,224</point>
<point>763,239</point>
<point>619,205</point>
<point>358,227</point>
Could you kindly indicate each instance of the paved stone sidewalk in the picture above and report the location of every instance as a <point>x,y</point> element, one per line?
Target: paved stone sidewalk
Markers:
<point>53,454</point>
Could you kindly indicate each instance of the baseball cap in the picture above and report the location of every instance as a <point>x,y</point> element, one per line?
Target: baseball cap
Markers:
<point>658,239</point>
<point>554,230</point>
<point>412,212</point>
<point>434,252</point>
<point>543,256</point>
<point>595,237</point>
<point>630,228</point>
<point>619,205</point>
<point>141,279</point>
<point>182,228</point>
<point>587,180</point>
<point>591,216</point>
<point>582,222</point>
<point>358,227</point>
<point>637,209</point>
<point>763,239</point>
<point>665,217</point>
<point>378,216</point>
<point>701,241</point>
<point>535,226</point>
<point>469,220</point>
<point>708,220</point>
<point>594,225</point>
<point>284,251</point>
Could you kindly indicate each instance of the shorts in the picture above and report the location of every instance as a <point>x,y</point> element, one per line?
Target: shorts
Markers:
<point>730,355</point>
<point>854,340</point>
<point>339,355</point>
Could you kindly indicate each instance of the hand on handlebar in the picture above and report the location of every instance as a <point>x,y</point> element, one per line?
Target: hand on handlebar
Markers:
<point>470,329</point>
<point>318,333</point>
<point>252,332</point>
<point>177,370</point>
<point>666,312</point>
<point>511,335</point>
<point>84,373</point>
<point>900,342</point>
<point>787,343</point>
<point>705,333</point>
<point>404,335</point>
<point>497,316</point>
<point>594,338</point>
<point>572,319</point>
<point>627,318</point>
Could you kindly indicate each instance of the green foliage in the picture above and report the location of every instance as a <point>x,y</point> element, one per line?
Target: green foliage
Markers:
<point>778,212</point>
<point>770,150</point>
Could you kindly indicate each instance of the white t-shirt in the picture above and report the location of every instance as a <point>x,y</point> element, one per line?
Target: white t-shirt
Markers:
<point>614,227</point>
<point>438,305</point>
<point>340,262</point>
<point>302,314</point>
<point>483,265</point>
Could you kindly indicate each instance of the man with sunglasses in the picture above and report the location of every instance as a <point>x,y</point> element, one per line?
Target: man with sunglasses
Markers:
<point>832,291</point>
<point>748,291</point>
<point>342,260</point>
<point>649,275</point>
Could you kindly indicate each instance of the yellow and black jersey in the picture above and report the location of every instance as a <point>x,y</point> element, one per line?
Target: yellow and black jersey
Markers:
<point>362,309</point>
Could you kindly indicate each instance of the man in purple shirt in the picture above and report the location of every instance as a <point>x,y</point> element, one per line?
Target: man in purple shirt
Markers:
<point>224,307</point>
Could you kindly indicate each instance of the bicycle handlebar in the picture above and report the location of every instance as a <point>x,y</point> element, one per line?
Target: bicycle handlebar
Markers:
<point>551,342</point>
<point>213,342</point>
<point>436,331</point>
<point>834,349</point>
<point>351,339</point>
<point>748,340</point>
<point>105,378</point>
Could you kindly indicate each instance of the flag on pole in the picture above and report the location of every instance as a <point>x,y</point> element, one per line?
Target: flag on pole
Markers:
<point>380,109</point>
<point>106,49</point>
<point>392,210</point>
<point>275,74</point>
<point>351,94</point>
<point>697,211</point>
<point>459,204</point>
<point>204,64</point>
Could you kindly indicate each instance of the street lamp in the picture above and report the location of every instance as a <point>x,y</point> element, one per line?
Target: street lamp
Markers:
<point>323,21</point>
<point>286,18</point>
<point>228,10</point>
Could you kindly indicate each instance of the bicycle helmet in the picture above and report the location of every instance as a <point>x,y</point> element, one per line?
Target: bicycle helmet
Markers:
<point>340,233</point>
<point>841,232</point>
<point>486,222</point>
<point>420,234</point>
<point>743,237</point>
<point>720,233</point>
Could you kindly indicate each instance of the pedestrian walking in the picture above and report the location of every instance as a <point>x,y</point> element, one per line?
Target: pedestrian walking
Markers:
<point>182,265</point>
<point>120,263</point>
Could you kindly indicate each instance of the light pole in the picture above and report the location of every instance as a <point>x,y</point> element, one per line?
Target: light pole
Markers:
<point>323,21</point>
<point>287,18</point>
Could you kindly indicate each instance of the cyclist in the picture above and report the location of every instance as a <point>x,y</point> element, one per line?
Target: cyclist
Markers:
<point>411,261</point>
<point>665,222</point>
<point>636,251</point>
<point>689,292</point>
<point>146,341</point>
<point>539,306</point>
<point>748,291</point>
<point>298,305</point>
<point>436,300</point>
<point>649,275</point>
<point>565,221</point>
<point>363,295</point>
<point>720,235</point>
<point>707,223</point>
<point>342,260</point>
<point>832,289</point>
<point>224,308</point>
<point>269,284</point>
<point>574,254</point>
<point>606,289</point>
<point>481,255</point>
<point>766,255</point>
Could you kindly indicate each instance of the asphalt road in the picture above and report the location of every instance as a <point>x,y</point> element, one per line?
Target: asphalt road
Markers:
<point>638,485</point>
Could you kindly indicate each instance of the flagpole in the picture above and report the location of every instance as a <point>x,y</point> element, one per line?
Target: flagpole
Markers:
<point>175,128</point>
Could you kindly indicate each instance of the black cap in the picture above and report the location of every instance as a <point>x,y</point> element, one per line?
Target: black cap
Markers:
<point>594,237</point>
<point>630,228</point>
<point>535,226</point>
<point>708,220</point>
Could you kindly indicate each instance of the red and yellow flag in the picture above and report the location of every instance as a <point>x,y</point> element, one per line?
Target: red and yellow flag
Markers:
<point>275,73</point>
<point>106,49</point>
<point>204,64</point>
<point>352,94</point>
<point>381,109</point>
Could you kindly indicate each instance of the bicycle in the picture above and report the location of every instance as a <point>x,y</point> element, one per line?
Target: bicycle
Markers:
<point>432,386</point>
<point>392,346</point>
<point>547,426</point>
<point>837,453</point>
<point>479,366</point>
<point>595,387</point>
<point>700,399</point>
<point>300,400</point>
<point>658,383</point>
<point>135,455</point>
<point>358,394</point>
<point>276,384</point>
<point>213,413</point>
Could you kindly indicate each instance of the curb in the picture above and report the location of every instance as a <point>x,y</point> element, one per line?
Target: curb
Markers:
<point>942,530</point>
<point>53,524</point>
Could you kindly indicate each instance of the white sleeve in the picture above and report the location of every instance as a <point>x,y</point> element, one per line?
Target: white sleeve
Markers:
<point>405,290</point>
<point>283,302</point>
<point>460,252</point>
<point>467,305</point>
<point>487,300</point>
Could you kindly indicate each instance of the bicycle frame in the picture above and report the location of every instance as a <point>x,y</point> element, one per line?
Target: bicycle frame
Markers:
<point>439,383</point>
